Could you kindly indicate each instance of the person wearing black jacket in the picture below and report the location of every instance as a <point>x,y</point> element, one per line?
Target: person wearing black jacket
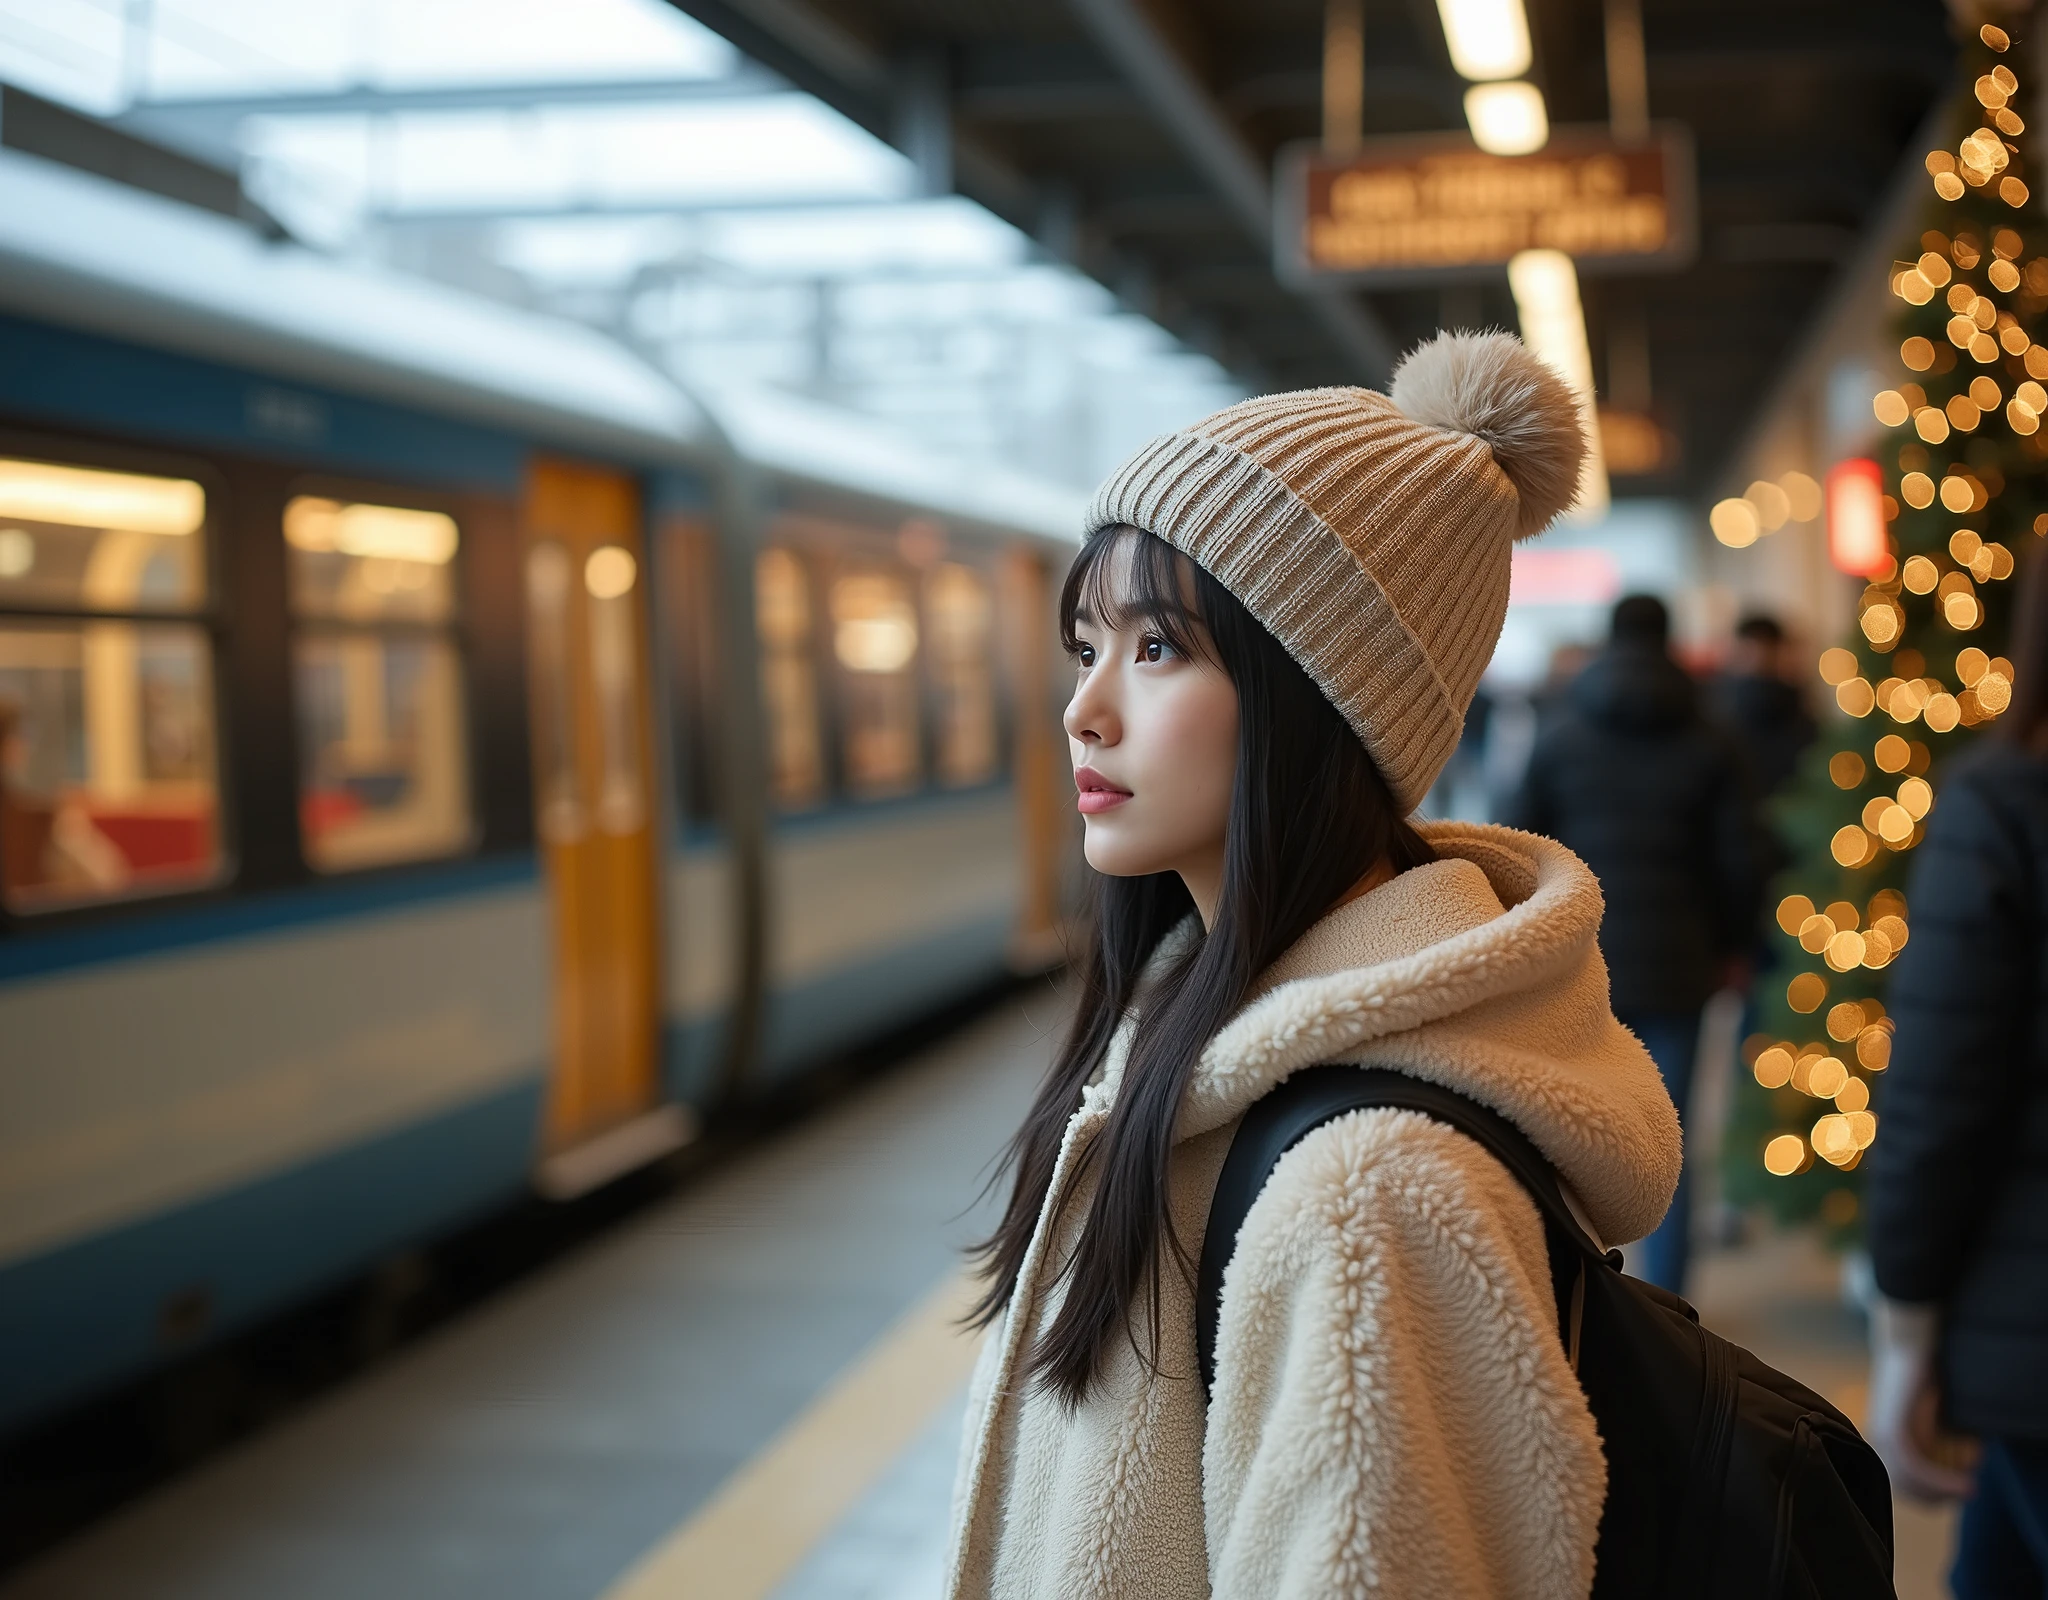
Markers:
<point>1958,1189</point>
<point>1762,705</point>
<point>1634,779</point>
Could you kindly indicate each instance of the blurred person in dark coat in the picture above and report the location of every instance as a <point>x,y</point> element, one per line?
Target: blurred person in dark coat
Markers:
<point>1656,798</point>
<point>1760,700</point>
<point>1958,1188</point>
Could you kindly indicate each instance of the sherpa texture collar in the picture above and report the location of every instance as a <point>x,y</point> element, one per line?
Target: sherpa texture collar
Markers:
<point>1481,972</point>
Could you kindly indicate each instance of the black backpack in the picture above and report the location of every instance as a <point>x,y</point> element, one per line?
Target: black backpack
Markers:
<point>1724,1478</point>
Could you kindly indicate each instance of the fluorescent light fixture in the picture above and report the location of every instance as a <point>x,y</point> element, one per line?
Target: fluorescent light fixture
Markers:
<point>392,533</point>
<point>1488,38</point>
<point>1507,119</point>
<point>80,497</point>
<point>1857,543</point>
<point>1546,289</point>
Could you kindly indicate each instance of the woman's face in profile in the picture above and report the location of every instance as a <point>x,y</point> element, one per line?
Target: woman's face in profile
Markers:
<point>1152,733</point>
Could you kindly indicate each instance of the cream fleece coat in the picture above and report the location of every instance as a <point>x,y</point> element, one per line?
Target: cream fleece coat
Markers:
<point>1393,1411</point>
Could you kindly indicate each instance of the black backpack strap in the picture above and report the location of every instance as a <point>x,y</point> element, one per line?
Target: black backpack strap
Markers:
<point>1316,1095</point>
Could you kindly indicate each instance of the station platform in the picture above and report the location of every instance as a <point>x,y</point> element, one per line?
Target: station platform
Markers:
<point>750,1391</point>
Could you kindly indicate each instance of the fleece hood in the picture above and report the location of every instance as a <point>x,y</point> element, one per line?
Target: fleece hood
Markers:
<point>1481,972</point>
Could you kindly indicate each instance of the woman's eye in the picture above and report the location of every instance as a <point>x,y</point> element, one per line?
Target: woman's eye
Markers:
<point>1085,655</point>
<point>1154,649</point>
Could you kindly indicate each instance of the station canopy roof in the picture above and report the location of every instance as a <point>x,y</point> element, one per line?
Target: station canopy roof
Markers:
<point>1037,229</point>
<point>620,162</point>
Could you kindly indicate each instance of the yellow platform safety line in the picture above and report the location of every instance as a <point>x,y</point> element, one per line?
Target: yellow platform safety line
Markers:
<point>744,1541</point>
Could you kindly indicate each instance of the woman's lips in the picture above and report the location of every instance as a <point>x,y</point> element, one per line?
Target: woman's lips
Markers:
<point>1097,792</point>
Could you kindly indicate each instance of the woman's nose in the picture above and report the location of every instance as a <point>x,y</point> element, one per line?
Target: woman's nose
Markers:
<point>1089,717</point>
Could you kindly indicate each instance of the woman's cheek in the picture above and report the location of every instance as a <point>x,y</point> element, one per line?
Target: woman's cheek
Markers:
<point>1209,735</point>
<point>1179,753</point>
<point>1192,759</point>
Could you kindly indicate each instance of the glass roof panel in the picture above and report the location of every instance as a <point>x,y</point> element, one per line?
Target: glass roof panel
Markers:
<point>107,53</point>
<point>614,161</point>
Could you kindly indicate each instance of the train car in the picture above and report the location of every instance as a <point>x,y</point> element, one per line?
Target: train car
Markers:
<point>440,760</point>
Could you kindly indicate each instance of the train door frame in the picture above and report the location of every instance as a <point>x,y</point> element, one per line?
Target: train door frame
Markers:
<point>599,827</point>
<point>1026,586</point>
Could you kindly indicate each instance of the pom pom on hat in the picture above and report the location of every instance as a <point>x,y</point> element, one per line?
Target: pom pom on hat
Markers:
<point>1493,387</point>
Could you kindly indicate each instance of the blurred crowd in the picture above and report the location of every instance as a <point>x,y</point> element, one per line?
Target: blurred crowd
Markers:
<point>1661,779</point>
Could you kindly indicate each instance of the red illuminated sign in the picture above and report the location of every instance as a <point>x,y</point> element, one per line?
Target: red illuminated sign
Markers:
<point>1857,543</point>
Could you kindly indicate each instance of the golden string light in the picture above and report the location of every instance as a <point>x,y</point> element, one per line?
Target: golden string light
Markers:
<point>1881,772</point>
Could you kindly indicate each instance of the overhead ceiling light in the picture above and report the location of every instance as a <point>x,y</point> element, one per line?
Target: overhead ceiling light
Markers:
<point>1488,38</point>
<point>1546,290</point>
<point>1508,119</point>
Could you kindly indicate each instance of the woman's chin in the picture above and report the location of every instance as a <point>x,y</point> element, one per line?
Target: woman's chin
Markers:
<point>1116,858</point>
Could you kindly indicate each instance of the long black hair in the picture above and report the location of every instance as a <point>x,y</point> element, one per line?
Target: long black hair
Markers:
<point>1310,815</point>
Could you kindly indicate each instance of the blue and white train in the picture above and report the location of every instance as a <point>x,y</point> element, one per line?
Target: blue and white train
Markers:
<point>440,760</point>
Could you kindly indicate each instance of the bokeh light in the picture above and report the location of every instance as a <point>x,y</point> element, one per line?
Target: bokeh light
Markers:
<point>1786,1155</point>
<point>1805,992</point>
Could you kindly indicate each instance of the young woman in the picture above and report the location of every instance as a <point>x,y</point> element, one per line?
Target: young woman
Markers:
<point>1277,622</point>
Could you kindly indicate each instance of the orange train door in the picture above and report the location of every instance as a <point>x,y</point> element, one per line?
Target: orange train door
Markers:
<point>595,811</point>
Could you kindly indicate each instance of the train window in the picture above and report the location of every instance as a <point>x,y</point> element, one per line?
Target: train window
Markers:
<point>78,539</point>
<point>874,635</point>
<point>609,575</point>
<point>789,680</point>
<point>960,624</point>
<point>383,748</point>
<point>361,563</point>
<point>109,783</point>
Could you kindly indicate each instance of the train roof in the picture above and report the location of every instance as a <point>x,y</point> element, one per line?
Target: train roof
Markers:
<point>88,252</point>
<point>806,440</point>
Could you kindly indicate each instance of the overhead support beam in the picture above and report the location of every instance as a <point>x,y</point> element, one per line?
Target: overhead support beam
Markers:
<point>816,52</point>
<point>924,116</point>
<point>747,81</point>
<point>852,74</point>
<point>1628,72</point>
<point>798,32</point>
<point>573,209</point>
<point>1220,152</point>
<point>1027,103</point>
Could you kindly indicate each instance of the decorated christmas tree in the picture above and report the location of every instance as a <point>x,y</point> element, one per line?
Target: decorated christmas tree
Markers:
<point>1959,477</point>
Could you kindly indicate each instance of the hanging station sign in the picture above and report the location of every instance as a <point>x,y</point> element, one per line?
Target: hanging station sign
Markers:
<point>1431,207</point>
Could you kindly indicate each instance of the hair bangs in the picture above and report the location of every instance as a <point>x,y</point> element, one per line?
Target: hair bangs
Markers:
<point>1124,575</point>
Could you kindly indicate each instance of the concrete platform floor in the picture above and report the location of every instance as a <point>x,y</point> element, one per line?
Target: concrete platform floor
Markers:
<point>646,1419</point>
<point>537,1449</point>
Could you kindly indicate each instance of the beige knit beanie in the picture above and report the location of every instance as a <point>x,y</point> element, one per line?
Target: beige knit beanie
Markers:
<point>1370,532</point>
